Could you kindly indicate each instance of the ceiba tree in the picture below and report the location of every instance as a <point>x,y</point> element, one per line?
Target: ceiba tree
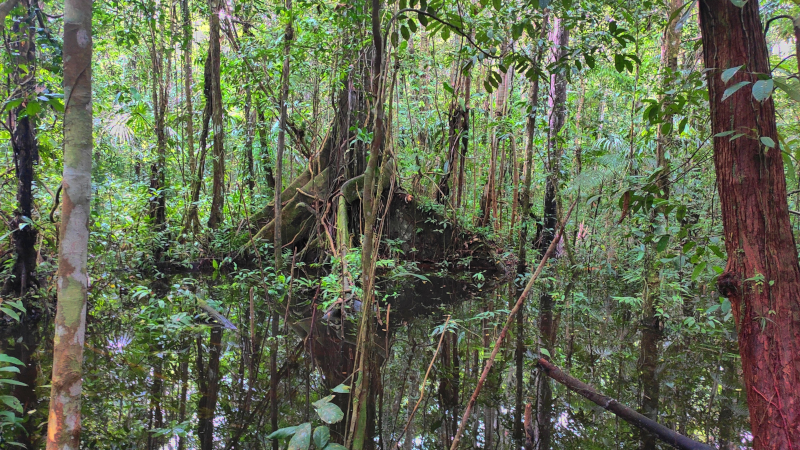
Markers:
<point>762,278</point>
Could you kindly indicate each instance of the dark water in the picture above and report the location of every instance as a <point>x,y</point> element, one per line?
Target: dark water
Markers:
<point>148,350</point>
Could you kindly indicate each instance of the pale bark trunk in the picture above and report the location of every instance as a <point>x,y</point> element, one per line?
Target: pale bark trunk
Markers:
<point>64,424</point>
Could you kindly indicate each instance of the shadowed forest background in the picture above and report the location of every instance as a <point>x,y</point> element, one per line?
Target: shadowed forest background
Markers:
<point>428,156</point>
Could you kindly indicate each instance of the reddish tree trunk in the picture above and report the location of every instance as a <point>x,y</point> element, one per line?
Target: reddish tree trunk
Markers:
<point>762,279</point>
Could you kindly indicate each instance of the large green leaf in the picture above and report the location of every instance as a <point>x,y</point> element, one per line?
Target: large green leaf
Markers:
<point>341,389</point>
<point>330,413</point>
<point>763,89</point>
<point>729,73</point>
<point>302,438</point>
<point>335,446</point>
<point>322,435</point>
<point>282,433</point>
<point>732,90</point>
<point>10,359</point>
<point>12,402</point>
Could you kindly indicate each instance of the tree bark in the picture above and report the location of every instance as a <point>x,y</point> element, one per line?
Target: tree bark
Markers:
<point>26,153</point>
<point>249,130</point>
<point>284,97</point>
<point>209,389</point>
<point>63,426</point>
<point>27,337</point>
<point>273,381</point>
<point>187,84</point>
<point>530,130</point>
<point>362,421</point>
<point>458,135</point>
<point>215,218</point>
<point>266,165</point>
<point>761,279</point>
<point>559,37</point>
<point>160,88</point>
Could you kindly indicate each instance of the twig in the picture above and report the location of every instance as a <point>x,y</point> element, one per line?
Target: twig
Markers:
<point>422,387</point>
<point>503,333</point>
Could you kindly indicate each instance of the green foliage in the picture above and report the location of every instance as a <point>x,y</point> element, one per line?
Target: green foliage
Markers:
<point>300,436</point>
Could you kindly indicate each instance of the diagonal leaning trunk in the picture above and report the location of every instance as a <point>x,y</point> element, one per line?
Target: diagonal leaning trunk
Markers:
<point>762,278</point>
<point>64,423</point>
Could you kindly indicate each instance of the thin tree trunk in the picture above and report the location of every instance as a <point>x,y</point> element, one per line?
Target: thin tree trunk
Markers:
<point>215,217</point>
<point>651,324</point>
<point>530,129</point>
<point>362,419</point>
<point>192,221</point>
<point>26,340</point>
<point>266,165</point>
<point>519,361</point>
<point>458,134</point>
<point>273,381</point>
<point>762,278</point>
<point>156,412</point>
<point>63,426</point>
<point>160,88</point>
<point>249,130</point>
<point>284,97</point>
<point>208,395</point>
<point>184,370</point>
<point>26,154</point>
<point>559,37</point>
<point>187,84</point>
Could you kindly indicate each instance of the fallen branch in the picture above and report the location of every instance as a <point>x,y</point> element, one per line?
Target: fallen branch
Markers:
<point>503,333</point>
<point>623,412</point>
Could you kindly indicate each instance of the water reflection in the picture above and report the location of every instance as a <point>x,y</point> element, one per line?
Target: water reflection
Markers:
<point>149,367</point>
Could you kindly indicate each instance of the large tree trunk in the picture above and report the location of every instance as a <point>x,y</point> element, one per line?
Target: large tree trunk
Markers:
<point>559,37</point>
<point>63,426</point>
<point>762,278</point>
<point>215,218</point>
<point>26,154</point>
